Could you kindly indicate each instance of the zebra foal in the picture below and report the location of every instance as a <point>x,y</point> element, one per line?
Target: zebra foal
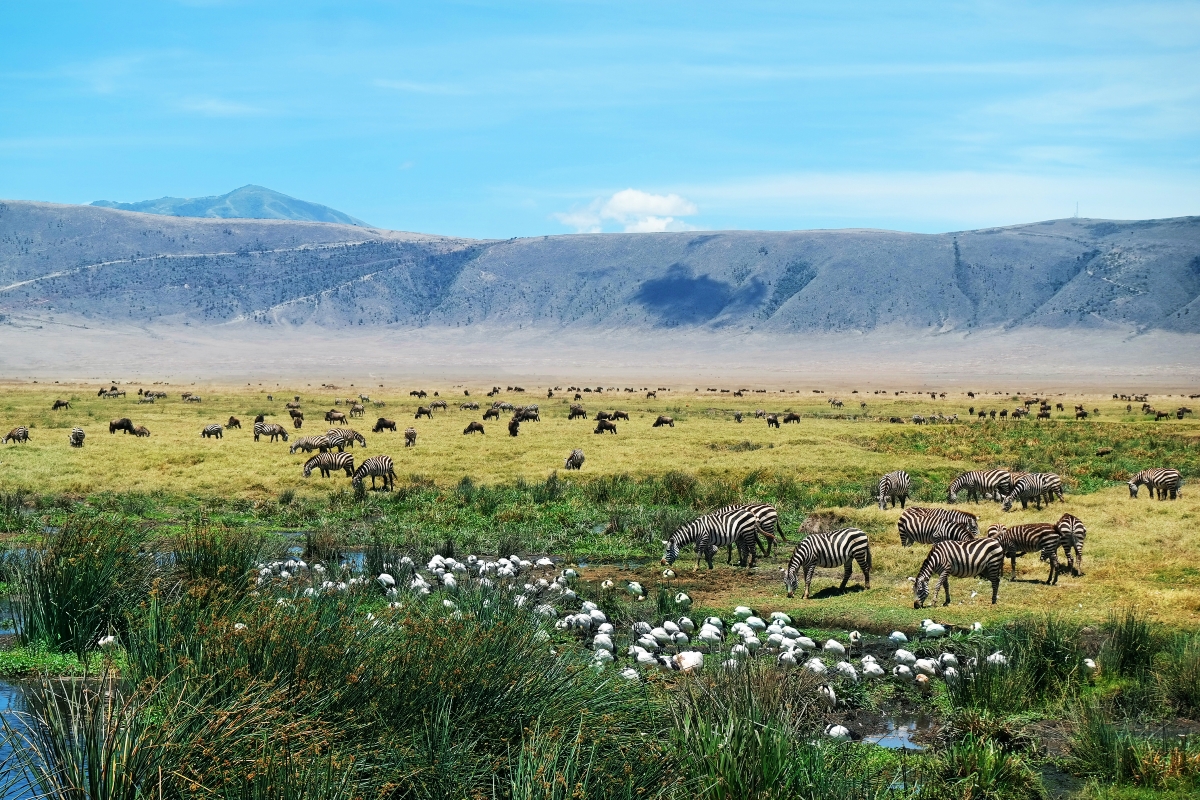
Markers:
<point>834,549</point>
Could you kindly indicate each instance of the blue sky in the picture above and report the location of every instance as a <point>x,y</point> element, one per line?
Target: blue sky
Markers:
<point>514,119</point>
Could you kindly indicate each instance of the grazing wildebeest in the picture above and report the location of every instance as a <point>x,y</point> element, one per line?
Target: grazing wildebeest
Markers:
<point>514,426</point>
<point>234,422</point>
<point>578,396</point>
<point>528,415</point>
<point>334,416</point>
<point>122,424</point>
<point>259,418</point>
<point>576,412</point>
<point>381,424</point>
<point>603,415</point>
<point>620,415</point>
<point>663,419</point>
<point>410,437</point>
<point>422,411</point>
<point>651,394</point>
<point>296,414</point>
<point>791,416</point>
<point>472,427</point>
<point>605,425</point>
<point>772,420</point>
<point>418,393</point>
<point>142,431</point>
<point>468,406</point>
<point>60,404</point>
<point>492,413</point>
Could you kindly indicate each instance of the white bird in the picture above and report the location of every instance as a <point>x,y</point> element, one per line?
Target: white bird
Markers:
<point>635,589</point>
<point>607,584</point>
<point>641,627</point>
<point>588,607</point>
<point>668,573</point>
<point>739,651</point>
<point>570,574</point>
<point>835,647</point>
<point>606,628</point>
<point>779,616</point>
<point>670,627</point>
<point>629,674</point>
<point>872,670</point>
<point>756,624</point>
<point>815,666</point>
<point>902,656</point>
<point>838,732</point>
<point>686,625</point>
<point>976,626</point>
<point>688,661</point>
<point>548,611</point>
<point>826,694</point>
<point>602,642</point>
<point>649,642</point>
<point>998,659</point>
<point>847,670</point>
<point>790,632</point>
<point>775,640</point>
<point>645,658</point>
<point>948,660</point>
<point>602,656</point>
<point>683,599</point>
<point>898,637</point>
<point>869,659</point>
<point>448,581</point>
<point>709,636</point>
<point>950,675</point>
<point>681,638</point>
<point>541,562</point>
<point>805,643</point>
<point>386,580</point>
<point>598,616</point>
<point>661,636</point>
<point>787,659</point>
<point>752,643</point>
<point>731,665</point>
<point>775,627</point>
<point>903,673</point>
<point>855,640</point>
<point>934,631</point>
<point>1089,666</point>
<point>108,641</point>
<point>716,622</point>
<point>742,612</point>
<point>925,666</point>
<point>239,626</point>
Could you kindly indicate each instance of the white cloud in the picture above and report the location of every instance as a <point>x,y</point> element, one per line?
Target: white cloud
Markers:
<point>635,210</point>
<point>216,107</point>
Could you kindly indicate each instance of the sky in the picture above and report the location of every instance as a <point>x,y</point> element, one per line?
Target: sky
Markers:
<point>498,120</point>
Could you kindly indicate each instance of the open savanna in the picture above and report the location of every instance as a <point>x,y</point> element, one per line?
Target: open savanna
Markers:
<point>495,492</point>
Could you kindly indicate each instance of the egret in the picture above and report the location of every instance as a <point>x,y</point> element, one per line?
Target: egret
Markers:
<point>742,612</point>
<point>835,647</point>
<point>815,666</point>
<point>838,732</point>
<point>847,670</point>
<point>898,637</point>
<point>902,656</point>
<point>826,694</point>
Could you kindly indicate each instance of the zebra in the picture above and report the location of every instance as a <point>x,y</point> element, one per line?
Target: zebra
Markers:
<point>141,431</point>
<point>768,523</point>
<point>410,437</point>
<point>1072,534</point>
<point>711,531</point>
<point>75,437</point>
<point>310,443</point>
<point>328,462</point>
<point>1034,486</point>
<point>891,486</point>
<point>1162,482</point>
<point>269,429</point>
<point>574,461</point>
<point>17,434</point>
<point>1038,537</point>
<point>833,549</point>
<point>376,467</point>
<point>979,558</point>
<point>342,438</point>
<point>932,525</point>
<point>212,431</point>
<point>990,484</point>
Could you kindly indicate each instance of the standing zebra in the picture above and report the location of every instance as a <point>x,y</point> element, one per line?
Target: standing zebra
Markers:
<point>269,429</point>
<point>328,462</point>
<point>825,550</point>
<point>310,443</point>
<point>932,525</point>
<point>1158,481</point>
<point>991,484</point>
<point>768,524</point>
<point>17,434</point>
<point>892,486</point>
<point>574,461</point>
<point>341,438</point>
<point>979,558</point>
<point>410,437</point>
<point>712,531</point>
<point>75,437</point>
<point>376,467</point>
<point>213,431</point>
<point>1034,486</point>
<point>1072,534</point>
<point>1038,537</point>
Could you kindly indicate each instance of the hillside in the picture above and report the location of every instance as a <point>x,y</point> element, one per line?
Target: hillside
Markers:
<point>248,202</point>
<point>103,265</point>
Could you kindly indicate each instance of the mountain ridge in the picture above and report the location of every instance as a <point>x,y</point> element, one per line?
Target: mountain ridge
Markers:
<point>245,202</point>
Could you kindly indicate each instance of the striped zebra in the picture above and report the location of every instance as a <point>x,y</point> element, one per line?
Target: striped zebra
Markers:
<point>75,437</point>
<point>710,531</point>
<point>341,438</point>
<point>574,461</point>
<point>17,434</point>
<point>1161,482</point>
<point>833,549</point>
<point>892,486</point>
<point>310,443</point>
<point>328,462</point>
<point>213,431</point>
<point>990,484</point>
<point>1038,537</point>
<point>376,467</point>
<point>1072,534</point>
<point>269,429</point>
<point>768,522</point>
<point>919,525</point>
<point>1034,486</point>
<point>979,558</point>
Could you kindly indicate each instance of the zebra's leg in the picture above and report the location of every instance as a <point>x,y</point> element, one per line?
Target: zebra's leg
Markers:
<point>846,574</point>
<point>1014,567</point>
<point>809,571</point>
<point>945,584</point>
<point>995,589</point>
<point>864,564</point>
<point>903,498</point>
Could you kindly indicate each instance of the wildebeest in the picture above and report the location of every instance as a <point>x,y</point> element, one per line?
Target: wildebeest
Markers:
<point>492,413</point>
<point>737,416</point>
<point>296,414</point>
<point>574,461</point>
<point>410,437</point>
<point>418,393</point>
<point>142,431</point>
<point>651,394</point>
<point>193,398</point>
<point>334,416</point>
<point>527,415</point>
<point>576,412</point>
<point>663,419</point>
<point>605,425</point>
<point>514,426</point>
<point>291,406</point>
<point>602,415</point>
<point>468,406</point>
<point>122,424</point>
<point>259,418</point>
<point>772,420</point>
<point>472,427</point>
<point>791,416</point>
<point>234,422</point>
<point>60,404</point>
<point>422,411</point>
<point>620,415</point>
<point>382,424</point>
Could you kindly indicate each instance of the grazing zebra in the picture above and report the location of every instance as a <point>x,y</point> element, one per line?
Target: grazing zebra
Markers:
<point>1162,482</point>
<point>768,523</point>
<point>342,438</point>
<point>932,525</point>
<point>574,461</point>
<point>310,443</point>
<point>892,486</point>
<point>192,398</point>
<point>358,410</point>
<point>376,467</point>
<point>75,437</point>
<point>1037,537</point>
<point>328,462</point>
<point>1072,534</point>
<point>17,434</point>
<point>410,437</point>
<point>833,549</point>
<point>269,429</point>
<point>979,558</point>
<point>212,431</point>
<point>141,431</point>
<point>1033,486</point>
<point>991,484</point>
<point>712,531</point>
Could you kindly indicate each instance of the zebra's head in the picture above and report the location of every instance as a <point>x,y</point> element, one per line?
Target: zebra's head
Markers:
<point>1133,487</point>
<point>308,465</point>
<point>920,590</point>
<point>1008,501</point>
<point>882,500</point>
<point>791,578</point>
<point>671,552</point>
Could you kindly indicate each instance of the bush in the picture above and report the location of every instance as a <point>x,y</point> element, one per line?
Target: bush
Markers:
<point>1129,648</point>
<point>975,768</point>
<point>1177,673</point>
